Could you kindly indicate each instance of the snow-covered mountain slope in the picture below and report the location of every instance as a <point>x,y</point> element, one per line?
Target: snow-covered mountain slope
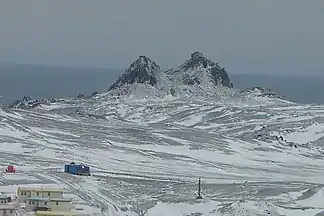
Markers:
<point>199,77</point>
<point>196,81</point>
<point>196,77</point>
<point>151,135</point>
<point>146,155</point>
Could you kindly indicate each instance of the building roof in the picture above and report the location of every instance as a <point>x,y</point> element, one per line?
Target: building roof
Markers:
<point>59,213</point>
<point>4,206</point>
<point>55,199</point>
<point>40,189</point>
<point>3,197</point>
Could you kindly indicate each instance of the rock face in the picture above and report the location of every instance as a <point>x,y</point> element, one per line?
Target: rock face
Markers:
<point>262,92</point>
<point>265,135</point>
<point>143,70</point>
<point>27,102</point>
<point>199,69</point>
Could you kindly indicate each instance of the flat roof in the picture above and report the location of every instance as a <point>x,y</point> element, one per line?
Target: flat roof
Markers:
<point>59,213</point>
<point>58,199</point>
<point>40,189</point>
<point>4,197</point>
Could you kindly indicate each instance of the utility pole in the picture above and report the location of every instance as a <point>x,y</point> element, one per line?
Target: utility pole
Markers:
<point>199,189</point>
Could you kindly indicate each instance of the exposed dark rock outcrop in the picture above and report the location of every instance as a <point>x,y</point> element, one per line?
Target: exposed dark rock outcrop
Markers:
<point>81,96</point>
<point>27,102</point>
<point>94,94</point>
<point>143,70</point>
<point>197,67</point>
<point>262,92</point>
<point>264,135</point>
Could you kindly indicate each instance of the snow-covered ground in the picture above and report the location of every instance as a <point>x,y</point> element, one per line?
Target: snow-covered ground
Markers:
<point>146,156</point>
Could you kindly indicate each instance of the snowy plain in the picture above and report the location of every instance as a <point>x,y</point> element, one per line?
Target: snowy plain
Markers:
<point>146,156</point>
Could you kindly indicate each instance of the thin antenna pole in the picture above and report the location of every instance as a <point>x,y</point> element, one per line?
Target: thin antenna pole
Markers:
<point>199,189</point>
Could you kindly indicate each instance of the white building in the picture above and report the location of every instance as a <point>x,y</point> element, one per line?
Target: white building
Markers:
<point>7,210</point>
<point>24,193</point>
<point>50,203</point>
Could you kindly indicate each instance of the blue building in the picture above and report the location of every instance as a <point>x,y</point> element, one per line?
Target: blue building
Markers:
<point>77,169</point>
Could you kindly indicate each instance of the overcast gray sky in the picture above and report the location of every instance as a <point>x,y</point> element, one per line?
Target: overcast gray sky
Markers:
<point>257,36</point>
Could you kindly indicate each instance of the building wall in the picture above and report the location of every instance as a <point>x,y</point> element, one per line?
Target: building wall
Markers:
<point>64,206</point>
<point>2,201</point>
<point>24,195</point>
<point>30,205</point>
<point>45,194</point>
<point>7,212</point>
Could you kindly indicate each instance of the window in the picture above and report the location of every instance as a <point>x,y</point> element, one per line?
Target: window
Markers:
<point>11,211</point>
<point>1,201</point>
<point>21,193</point>
<point>33,202</point>
<point>25,193</point>
<point>29,202</point>
<point>49,194</point>
<point>37,194</point>
<point>45,203</point>
<point>56,203</point>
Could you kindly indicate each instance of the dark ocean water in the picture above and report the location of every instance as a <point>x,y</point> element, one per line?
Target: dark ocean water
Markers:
<point>302,89</point>
<point>41,82</point>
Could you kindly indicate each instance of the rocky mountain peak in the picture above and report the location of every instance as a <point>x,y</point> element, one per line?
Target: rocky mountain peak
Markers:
<point>199,69</point>
<point>145,62</point>
<point>196,55</point>
<point>142,70</point>
<point>197,60</point>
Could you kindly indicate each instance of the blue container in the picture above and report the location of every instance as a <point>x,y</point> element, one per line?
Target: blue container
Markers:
<point>73,169</point>
<point>77,169</point>
<point>66,168</point>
